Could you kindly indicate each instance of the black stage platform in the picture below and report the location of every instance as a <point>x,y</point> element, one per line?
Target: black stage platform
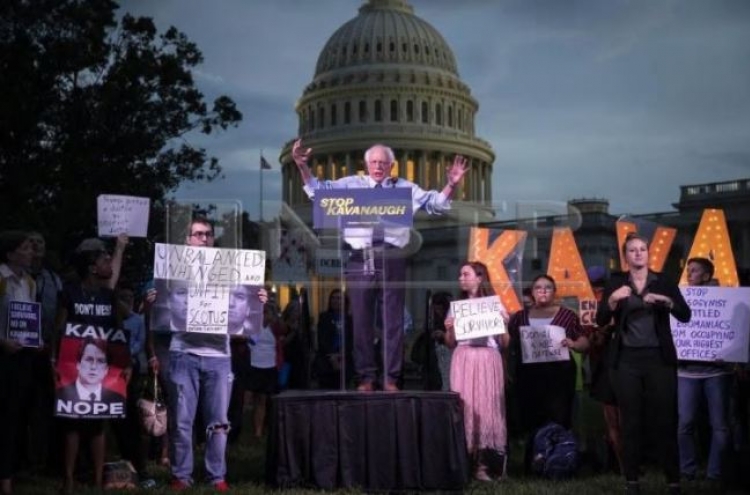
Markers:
<point>407,440</point>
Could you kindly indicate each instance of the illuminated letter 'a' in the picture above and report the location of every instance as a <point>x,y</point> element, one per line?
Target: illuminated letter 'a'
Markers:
<point>712,241</point>
<point>566,267</point>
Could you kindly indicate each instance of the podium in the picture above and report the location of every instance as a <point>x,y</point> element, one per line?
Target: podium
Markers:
<point>362,217</point>
<point>409,440</point>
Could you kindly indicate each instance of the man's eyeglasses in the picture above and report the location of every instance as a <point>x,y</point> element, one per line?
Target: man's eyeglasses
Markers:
<point>202,235</point>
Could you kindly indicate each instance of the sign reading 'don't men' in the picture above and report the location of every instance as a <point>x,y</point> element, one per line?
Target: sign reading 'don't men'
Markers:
<point>719,325</point>
<point>477,317</point>
<point>118,214</point>
<point>543,344</point>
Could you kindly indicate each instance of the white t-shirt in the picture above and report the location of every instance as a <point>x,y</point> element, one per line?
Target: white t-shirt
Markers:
<point>263,349</point>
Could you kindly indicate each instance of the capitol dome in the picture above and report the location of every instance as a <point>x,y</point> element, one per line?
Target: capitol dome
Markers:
<point>387,76</point>
<point>385,32</point>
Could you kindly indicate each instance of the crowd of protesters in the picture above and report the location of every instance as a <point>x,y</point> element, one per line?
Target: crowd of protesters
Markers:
<point>208,379</point>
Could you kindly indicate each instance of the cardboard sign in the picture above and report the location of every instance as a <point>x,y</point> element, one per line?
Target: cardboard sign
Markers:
<point>25,323</point>
<point>207,290</point>
<point>543,344</point>
<point>719,325</point>
<point>90,367</point>
<point>477,317</point>
<point>122,215</point>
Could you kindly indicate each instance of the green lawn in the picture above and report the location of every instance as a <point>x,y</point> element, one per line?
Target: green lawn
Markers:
<point>246,463</point>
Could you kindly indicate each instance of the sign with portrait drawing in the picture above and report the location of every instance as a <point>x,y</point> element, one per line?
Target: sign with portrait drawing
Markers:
<point>207,290</point>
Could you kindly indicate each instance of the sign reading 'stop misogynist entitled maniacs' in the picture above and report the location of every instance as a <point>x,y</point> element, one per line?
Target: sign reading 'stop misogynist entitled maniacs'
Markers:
<point>719,325</point>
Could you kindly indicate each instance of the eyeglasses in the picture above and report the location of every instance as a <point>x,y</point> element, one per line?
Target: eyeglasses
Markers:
<point>202,234</point>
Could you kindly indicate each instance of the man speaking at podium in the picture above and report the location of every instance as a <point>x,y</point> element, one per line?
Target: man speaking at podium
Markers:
<point>377,251</point>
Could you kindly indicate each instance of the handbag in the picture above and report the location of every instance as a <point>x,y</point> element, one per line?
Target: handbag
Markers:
<point>119,475</point>
<point>153,411</point>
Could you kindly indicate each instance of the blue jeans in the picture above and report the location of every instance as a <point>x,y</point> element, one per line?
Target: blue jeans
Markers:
<point>690,393</point>
<point>209,378</point>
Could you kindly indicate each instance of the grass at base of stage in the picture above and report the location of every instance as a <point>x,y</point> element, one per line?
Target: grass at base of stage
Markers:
<point>246,471</point>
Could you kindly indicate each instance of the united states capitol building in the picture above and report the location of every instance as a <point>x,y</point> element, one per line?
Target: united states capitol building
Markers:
<point>387,76</point>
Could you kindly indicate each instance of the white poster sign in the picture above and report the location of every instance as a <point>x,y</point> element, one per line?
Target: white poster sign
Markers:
<point>209,266</point>
<point>543,344</point>
<point>122,215</point>
<point>207,290</point>
<point>477,317</point>
<point>719,326</point>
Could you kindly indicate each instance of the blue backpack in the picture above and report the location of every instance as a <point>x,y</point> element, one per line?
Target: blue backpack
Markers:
<point>554,452</point>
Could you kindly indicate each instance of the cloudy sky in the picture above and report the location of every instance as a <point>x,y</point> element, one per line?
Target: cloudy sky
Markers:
<point>618,99</point>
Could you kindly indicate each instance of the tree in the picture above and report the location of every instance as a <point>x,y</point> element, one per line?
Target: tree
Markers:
<point>94,105</point>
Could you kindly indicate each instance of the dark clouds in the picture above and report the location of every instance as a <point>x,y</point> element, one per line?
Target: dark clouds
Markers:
<point>625,100</point>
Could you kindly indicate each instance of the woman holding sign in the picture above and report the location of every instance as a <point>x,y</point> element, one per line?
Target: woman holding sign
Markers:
<point>643,360</point>
<point>477,371</point>
<point>17,297</point>
<point>545,370</point>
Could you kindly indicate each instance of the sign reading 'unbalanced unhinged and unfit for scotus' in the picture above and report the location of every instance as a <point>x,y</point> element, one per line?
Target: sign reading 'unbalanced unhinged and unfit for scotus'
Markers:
<point>208,290</point>
<point>477,317</point>
<point>719,325</point>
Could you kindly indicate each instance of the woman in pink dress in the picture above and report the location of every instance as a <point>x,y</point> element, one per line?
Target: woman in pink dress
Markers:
<point>478,376</point>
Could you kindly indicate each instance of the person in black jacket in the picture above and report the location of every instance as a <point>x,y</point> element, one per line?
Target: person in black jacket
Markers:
<point>643,360</point>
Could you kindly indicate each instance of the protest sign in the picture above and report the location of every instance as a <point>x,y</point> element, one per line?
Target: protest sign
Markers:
<point>477,317</point>
<point>208,290</point>
<point>90,368</point>
<point>719,325</point>
<point>122,215</point>
<point>24,323</point>
<point>543,344</point>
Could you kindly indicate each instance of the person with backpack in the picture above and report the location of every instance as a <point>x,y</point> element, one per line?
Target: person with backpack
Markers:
<point>546,390</point>
<point>477,374</point>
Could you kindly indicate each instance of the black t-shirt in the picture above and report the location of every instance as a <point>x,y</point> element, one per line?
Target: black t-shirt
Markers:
<point>90,307</point>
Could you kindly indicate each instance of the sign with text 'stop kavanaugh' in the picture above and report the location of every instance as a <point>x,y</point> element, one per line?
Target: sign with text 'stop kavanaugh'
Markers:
<point>363,208</point>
